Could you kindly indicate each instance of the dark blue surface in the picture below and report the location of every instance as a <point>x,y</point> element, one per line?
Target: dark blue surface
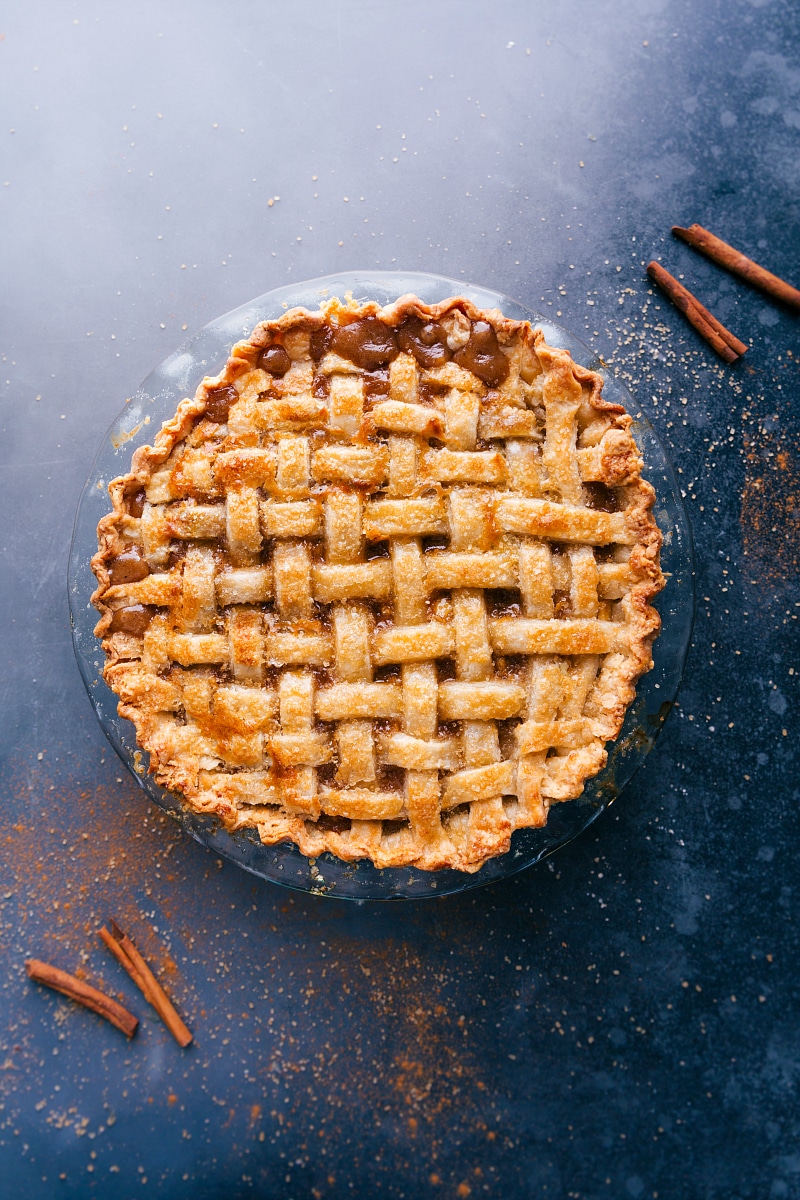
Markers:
<point>622,1021</point>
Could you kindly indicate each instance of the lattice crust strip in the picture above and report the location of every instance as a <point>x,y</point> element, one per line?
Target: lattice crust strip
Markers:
<point>383,586</point>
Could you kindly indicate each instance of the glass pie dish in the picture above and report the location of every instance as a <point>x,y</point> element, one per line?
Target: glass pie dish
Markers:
<point>156,400</point>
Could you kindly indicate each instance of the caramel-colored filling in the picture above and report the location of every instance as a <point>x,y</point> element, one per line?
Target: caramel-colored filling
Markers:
<point>136,502</point>
<point>368,343</point>
<point>275,360</point>
<point>133,620</point>
<point>219,401</point>
<point>128,567</point>
<point>601,497</point>
<point>482,355</point>
<point>426,340</point>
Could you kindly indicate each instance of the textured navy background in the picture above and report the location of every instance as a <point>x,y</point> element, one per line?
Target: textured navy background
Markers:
<point>621,1021</point>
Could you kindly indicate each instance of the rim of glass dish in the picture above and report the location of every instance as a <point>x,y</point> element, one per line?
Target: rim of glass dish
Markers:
<point>204,353</point>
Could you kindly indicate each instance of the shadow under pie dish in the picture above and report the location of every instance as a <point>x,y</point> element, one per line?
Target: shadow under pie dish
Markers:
<point>382,587</point>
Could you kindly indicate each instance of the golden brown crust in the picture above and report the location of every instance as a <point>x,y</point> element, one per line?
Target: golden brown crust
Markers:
<point>381,590</point>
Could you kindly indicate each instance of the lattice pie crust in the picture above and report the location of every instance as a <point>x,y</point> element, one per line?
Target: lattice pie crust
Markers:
<point>382,587</point>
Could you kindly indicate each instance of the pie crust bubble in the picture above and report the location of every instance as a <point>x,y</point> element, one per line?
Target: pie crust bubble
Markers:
<point>382,587</point>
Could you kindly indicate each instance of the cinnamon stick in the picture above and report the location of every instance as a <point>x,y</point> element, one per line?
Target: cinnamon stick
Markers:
<point>736,262</point>
<point>83,994</point>
<point>131,961</point>
<point>718,337</point>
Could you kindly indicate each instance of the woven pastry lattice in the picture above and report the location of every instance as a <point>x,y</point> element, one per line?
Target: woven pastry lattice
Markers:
<point>382,588</point>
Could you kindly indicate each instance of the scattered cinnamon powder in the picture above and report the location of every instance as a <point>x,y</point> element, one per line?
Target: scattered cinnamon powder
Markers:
<point>62,874</point>
<point>430,1067</point>
<point>770,513</point>
<point>86,852</point>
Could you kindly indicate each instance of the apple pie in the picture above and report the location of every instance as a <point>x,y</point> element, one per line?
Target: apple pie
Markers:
<point>382,588</point>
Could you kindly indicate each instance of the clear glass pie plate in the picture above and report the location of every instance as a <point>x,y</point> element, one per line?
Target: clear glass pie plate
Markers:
<point>141,418</point>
